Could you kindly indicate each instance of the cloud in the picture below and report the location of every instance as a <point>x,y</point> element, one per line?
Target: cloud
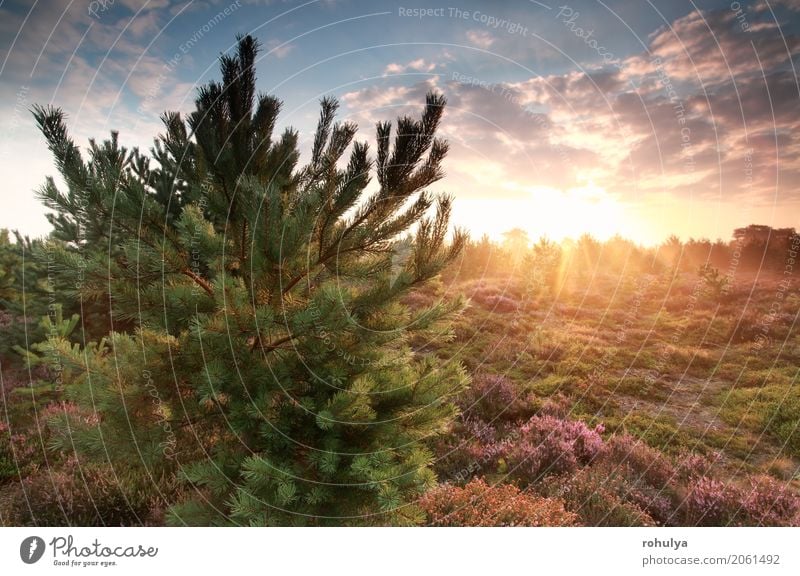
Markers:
<point>719,47</point>
<point>378,97</point>
<point>97,69</point>
<point>418,65</point>
<point>762,5</point>
<point>480,38</point>
<point>700,114</point>
<point>278,48</point>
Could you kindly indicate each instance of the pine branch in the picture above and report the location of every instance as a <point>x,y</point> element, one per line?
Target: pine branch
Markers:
<point>199,281</point>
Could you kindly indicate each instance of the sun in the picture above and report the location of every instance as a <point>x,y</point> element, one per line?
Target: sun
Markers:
<point>547,211</point>
<point>589,209</point>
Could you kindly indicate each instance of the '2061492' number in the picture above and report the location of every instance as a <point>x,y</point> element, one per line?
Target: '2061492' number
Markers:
<point>749,559</point>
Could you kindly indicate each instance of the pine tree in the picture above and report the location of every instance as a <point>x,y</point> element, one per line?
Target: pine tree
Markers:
<point>23,294</point>
<point>265,355</point>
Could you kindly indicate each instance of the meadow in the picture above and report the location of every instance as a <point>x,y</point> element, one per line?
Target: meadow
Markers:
<point>610,385</point>
<point>629,384</point>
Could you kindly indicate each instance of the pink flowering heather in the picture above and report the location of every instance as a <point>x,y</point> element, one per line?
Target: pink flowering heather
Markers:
<point>711,502</point>
<point>550,445</point>
<point>692,466</point>
<point>638,461</point>
<point>771,503</point>
<point>492,397</point>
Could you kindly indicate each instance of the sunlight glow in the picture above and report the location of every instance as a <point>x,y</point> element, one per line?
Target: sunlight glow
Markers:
<point>545,211</point>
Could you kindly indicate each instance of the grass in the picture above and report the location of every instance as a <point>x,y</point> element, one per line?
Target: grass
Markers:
<point>670,366</point>
<point>669,363</point>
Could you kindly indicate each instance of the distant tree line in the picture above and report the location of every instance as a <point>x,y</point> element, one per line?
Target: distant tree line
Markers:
<point>752,249</point>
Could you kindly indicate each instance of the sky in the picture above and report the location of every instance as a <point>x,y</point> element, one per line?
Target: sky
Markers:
<point>634,117</point>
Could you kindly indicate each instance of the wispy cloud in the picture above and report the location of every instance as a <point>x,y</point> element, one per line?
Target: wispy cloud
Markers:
<point>481,38</point>
<point>278,48</point>
<point>418,65</point>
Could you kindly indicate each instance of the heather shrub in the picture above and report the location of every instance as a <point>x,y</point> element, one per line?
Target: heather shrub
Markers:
<point>769,502</point>
<point>472,447</point>
<point>420,299</point>
<point>593,496</point>
<point>77,495</point>
<point>493,299</point>
<point>45,489</point>
<point>691,466</point>
<point>541,446</point>
<point>641,475</point>
<point>21,453</point>
<point>478,504</point>
<point>551,445</point>
<point>501,304</point>
<point>636,458</point>
<point>766,502</point>
<point>492,398</point>
<point>557,405</point>
<point>710,502</point>
<point>658,503</point>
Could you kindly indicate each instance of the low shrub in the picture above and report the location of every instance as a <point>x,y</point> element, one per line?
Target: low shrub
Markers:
<point>478,504</point>
<point>766,502</point>
<point>21,453</point>
<point>464,451</point>
<point>494,299</point>
<point>711,502</point>
<point>641,475</point>
<point>551,445</point>
<point>492,397</point>
<point>77,495</point>
<point>543,445</point>
<point>691,466</point>
<point>593,496</point>
<point>769,502</point>
<point>638,459</point>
